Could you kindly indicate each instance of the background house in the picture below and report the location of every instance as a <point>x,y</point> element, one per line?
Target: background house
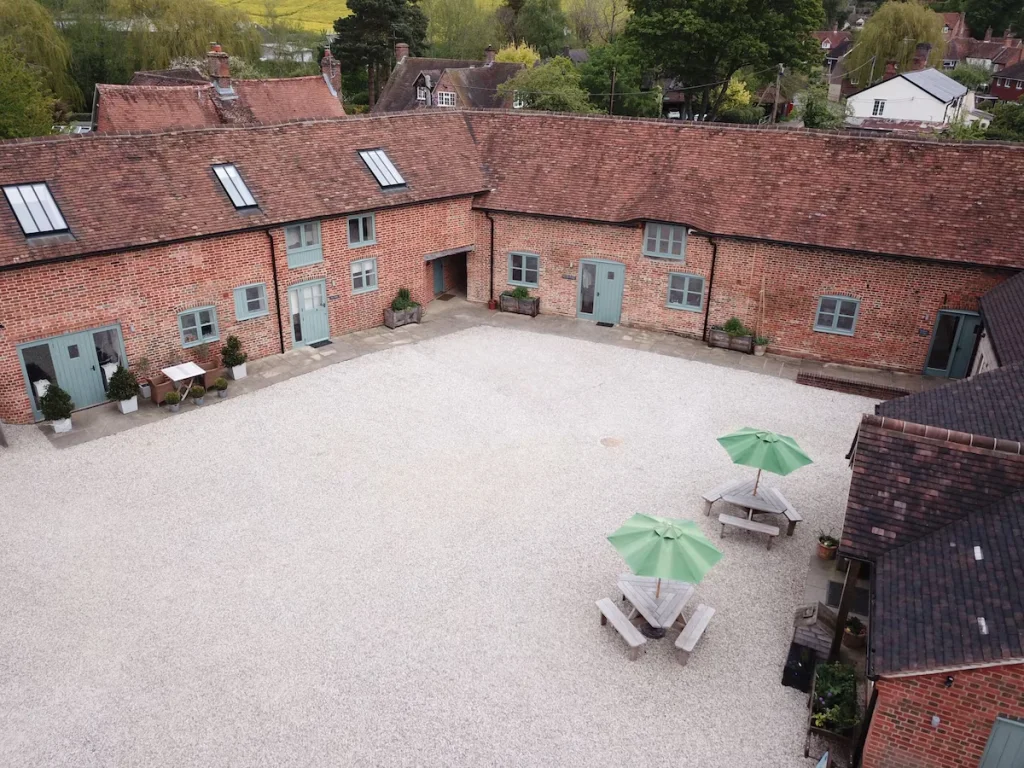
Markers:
<point>925,96</point>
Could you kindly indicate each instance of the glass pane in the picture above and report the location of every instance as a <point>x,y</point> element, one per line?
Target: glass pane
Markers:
<point>367,222</point>
<point>517,275</point>
<point>353,230</point>
<point>531,263</point>
<point>677,241</point>
<point>675,297</point>
<point>848,308</point>
<point>293,237</point>
<point>357,281</point>
<point>844,323</point>
<point>317,294</point>
<point>297,326</point>
<point>828,306</point>
<point>310,234</point>
<point>73,351</point>
<point>532,276</point>
<point>108,351</point>
<point>517,261</point>
<point>693,300</point>
<point>587,287</point>
<point>825,320</point>
<point>942,344</point>
<point>652,243</point>
<point>40,370</point>
<point>252,293</point>
<point>204,316</point>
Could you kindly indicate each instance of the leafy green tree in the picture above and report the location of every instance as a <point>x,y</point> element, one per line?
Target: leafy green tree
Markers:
<point>703,43</point>
<point>836,12</point>
<point>366,38</point>
<point>1007,122</point>
<point>518,54</point>
<point>555,87</point>
<point>892,34</point>
<point>33,32</point>
<point>998,15</point>
<point>622,61</point>
<point>971,76</point>
<point>963,131</point>
<point>26,106</point>
<point>817,111</point>
<point>542,24</point>
<point>459,29</point>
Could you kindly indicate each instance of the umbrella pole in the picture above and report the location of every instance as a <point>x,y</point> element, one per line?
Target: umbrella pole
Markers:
<point>657,592</point>
<point>758,480</point>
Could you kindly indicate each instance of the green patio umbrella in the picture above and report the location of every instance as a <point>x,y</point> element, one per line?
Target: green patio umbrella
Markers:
<point>664,548</point>
<point>764,450</point>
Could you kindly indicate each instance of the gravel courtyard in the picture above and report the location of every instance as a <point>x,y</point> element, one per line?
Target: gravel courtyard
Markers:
<point>394,561</point>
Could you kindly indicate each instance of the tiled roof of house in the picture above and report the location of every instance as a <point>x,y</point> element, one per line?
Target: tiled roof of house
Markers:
<point>1003,310</point>
<point>990,404</point>
<point>835,38</point>
<point>910,480</point>
<point>1004,52</point>
<point>182,76</point>
<point>399,94</point>
<point>952,598</point>
<point>1015,72</point>
<point>478,86</point>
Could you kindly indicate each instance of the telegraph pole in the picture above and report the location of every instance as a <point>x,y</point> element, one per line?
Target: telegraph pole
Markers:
<point>778,85</point>
<point>611,97</point>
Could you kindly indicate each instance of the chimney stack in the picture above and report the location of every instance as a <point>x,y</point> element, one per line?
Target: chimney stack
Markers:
<point>988,35</point>
<point>890,69</point>
<point>218,68</point>
<point>401,51</point>
<point>489,54</point>
<point>330,67</point>
<point>921,57</point>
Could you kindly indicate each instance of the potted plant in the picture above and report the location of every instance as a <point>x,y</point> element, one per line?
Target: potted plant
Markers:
<point>234,358</point>
<point>197,393</point>
<point>173,401</point>
<point>518,300</point>
<point>834,699</point>
<point>56,406</point>
<point>761,345</point>
<point>124,388</point>
<point>221,385</point>
<point>827,546</point>
<point>403,310</point>
<point>141,367</point>
<point>855,634</point>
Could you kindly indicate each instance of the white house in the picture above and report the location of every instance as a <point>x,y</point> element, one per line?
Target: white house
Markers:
<point>924,96</point>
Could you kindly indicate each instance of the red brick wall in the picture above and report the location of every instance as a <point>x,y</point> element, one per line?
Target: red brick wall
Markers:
<point>901,734</point>
<point>898,297</point>
<point>1008,91</point>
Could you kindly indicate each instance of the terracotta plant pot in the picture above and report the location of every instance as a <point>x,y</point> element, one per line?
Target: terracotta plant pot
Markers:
<point>826,553</point>
<point>855,642</point>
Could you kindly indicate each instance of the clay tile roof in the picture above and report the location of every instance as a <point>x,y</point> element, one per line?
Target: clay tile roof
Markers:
<point>140,108</point>
<point>183,76</point>
<point>287,99</point>
<point>1003,309</point>
<point>400,94</point>
<point>1015,72</point>
<point>478,86</point>
<point>937,605</point>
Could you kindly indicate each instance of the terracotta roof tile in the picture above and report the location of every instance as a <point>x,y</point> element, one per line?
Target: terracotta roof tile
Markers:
<point>399,94</point>
<point>1003,309</point>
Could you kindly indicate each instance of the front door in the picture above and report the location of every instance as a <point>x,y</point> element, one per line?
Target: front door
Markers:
<point>600,291</point>
<point>307,304</point>
<point>438,276</point>
<point>1005,748</point>
<point>953,342</point>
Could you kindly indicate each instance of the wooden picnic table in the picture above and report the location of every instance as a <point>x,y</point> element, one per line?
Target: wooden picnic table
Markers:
<point>741,493</point>
<point>660,612</point>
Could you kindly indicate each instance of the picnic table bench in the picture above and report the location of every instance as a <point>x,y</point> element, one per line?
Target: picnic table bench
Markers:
<point>748,525</point>
<point>768,500</point>
<point>791,514</point>
<point>693,632</point>
<point>632,636</point>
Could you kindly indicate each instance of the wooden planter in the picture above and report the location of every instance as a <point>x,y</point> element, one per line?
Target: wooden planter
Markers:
<point>530,306</point>
<point>159,386</point>
<point>719,338</point>
<point>397,318</point>
<point>841,740</point>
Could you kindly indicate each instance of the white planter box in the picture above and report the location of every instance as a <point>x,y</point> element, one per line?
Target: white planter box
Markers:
<point>61,425</point>
<point>238,372</point>
<point>128,406</point>
<point>145,391</point>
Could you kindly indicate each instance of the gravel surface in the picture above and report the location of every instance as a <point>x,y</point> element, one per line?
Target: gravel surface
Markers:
<point>394,561</point>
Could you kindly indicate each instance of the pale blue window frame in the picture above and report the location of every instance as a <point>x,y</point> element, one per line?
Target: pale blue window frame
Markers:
<point>251,301</point>
<point>303,244</point>
<point>200,323</point>
<point>364,275</point>
<point>682,287</point>
<point>524,269</point>
<point>664,241</point>
<point>837,314</point>
<point>362,230</point>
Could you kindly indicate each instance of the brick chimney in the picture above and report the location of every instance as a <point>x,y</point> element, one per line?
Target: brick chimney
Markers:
<point>921,57</point>
<point>988,35</point>
<point>218,68</point>
<point>890,69</point>
<point>489,54</point>
<point>401,51</point>
<point>330,67</point>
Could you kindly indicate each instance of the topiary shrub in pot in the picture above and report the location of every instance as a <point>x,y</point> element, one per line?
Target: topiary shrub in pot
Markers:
<point>198,394</point>
<point>761,345</point>
<point>141,367</point>
<point>518,300</point>
<point>221,385</point>
<point>234,358</point>
<point>124,388</point>
<point>173,401</point>
<point>56,406</point>
<point>403,310</point>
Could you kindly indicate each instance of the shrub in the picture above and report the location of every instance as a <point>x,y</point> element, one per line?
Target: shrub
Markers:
<point>762,341</point>
<point>141,366</point>
<point>172,398</point>
<point>221,383</point>
<point>519,292</point>
<point>56,404</point>
<point>123,385</point>
<point>828,539</point>
<point>197,392</point>
<point>735,327</point>
<point>203,351</point>
<point>835,697</point>
<point>855,626</point>
<point>232,354</point>
<point>403,300</point>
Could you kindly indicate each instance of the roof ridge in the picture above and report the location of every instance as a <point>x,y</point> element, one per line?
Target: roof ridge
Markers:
<point>1011,447</point>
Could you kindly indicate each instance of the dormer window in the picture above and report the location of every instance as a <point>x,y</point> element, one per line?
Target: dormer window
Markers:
<point>825,45</point>
<point>233,184</point>
<point>517,100</point>
<point>446,98</point>
<point>422,93</point>
<point>382,168</point>
<point>35,210</point>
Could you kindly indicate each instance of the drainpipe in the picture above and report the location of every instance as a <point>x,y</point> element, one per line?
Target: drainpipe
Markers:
<point>277,291</point>
<point>711,283</point>
<point>491,303</point>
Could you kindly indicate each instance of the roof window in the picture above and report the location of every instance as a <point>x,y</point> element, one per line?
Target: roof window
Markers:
<point>35,209</point>
<point>233,184</point>
<point>382,168</point>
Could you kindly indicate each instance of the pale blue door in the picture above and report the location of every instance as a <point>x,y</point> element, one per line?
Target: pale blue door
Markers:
<point>953,342</point>
<point>307,303</point>
<point>1005,747</point>
<point>78,368</point>
<point>438,276</point>
<point>601,285</point>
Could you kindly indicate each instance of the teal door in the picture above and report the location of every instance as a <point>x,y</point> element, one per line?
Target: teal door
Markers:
<point>953,342</point>
<point>1005,748</point>
<point>600,291</point>
<point>438,276</point>
<point>307,303</point>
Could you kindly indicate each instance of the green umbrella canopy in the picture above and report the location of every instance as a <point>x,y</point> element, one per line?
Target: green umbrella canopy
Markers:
<point>765,450</point>
<point>664,548</point>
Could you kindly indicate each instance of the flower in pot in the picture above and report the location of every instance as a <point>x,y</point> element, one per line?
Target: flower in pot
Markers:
<point>234,358</point>
<point>855,633</point>
<point>56,406</point>
<point>141,367</point>
<point>173,401</point>
<point>221,385</point>
<point>760,345</point>
<point>197,393</point>
<point>827,545</point>
<point>124,388</point>
<point>403,310</point>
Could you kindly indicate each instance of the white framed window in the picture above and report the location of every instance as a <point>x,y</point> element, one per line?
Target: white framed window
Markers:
<point>878,108</point>
<point>685,292</point>
<point>364,275</point>
<point>854,80</point>
<point>664,241</point>
<point>422,93</point>
<point>251,301</point>
<point>446,98</point>
<point>302,242</point>
<point>524,269</point>
<point>517,100</point>
<point>1019,84</point>
<point>362,230</point>
<point>198,326</point>
<point>825,45</point>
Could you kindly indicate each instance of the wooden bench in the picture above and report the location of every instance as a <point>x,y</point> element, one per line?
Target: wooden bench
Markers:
<point>748,525</point>
<point>714,495</point>
<point>693,632</point>
<point>791,514</point>
<point>630,634</point>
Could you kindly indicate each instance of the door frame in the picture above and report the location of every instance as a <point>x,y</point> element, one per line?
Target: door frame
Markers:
<point>1001,722</point>
<point>579,288</point>
<point>291,325</point>
<point>438,271</point>
<point>37,415</point>
<point>959,330</point>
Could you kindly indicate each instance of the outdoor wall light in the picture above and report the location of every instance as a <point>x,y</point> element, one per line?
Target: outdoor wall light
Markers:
<point>935,721</point>
<point>949,682</point>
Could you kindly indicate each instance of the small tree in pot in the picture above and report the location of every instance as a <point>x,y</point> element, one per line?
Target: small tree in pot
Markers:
<point>403,310</point>
<point>197,393</point>
<point>141,367</point>
<point>518,300</point>
<point>234,358</point>
<point>124,388</point>
<point>221,385</point>
<point>56,406</point>
<point>761,345</point>
<point>173,401</point>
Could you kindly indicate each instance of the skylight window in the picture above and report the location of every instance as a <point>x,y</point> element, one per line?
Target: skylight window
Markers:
<point>35,209</point>
<point>234,186</point>
<point>382,168</point>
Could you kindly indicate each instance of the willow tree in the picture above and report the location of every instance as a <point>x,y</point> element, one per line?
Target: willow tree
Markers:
<point>32,32</point>
<point>893,34</point>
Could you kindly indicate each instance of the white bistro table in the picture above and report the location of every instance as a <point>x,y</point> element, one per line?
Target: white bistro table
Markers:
<point>660,612</point>
<point>185,372</point>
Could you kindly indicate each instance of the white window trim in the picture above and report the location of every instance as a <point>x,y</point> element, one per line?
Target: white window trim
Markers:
<point>422,93</point>
<point>446,98</point>
<point>878,108</point>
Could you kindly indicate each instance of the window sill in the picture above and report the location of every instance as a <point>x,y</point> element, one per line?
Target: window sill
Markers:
<point>833,331</point>
<point>681,308</point>
<point>524,285</point>
<point>362,245</point>
<point>253,316</point>
<point>663,257</point>
<point>190,344</point>
<point>361,291</point>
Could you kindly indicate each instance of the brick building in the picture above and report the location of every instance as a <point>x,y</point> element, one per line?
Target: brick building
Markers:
<point>115,248</point>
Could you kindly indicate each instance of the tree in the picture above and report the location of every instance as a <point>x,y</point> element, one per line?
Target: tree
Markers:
<point>595,21</point>
<point>518,54</point>
<point>26,106</point>
<point>366,38</point>
<point>817,111</point>
<point>33,32</point>
<point>703,43</point>
<point>997,15</point>
<point>555,87</point>
<point>971,76</point>
<point>1007,122</point>
<point>893,34</point>
<point>542,24</point>
<point>623,62</point>
<point>459,29</point>
<point>836,13</point>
